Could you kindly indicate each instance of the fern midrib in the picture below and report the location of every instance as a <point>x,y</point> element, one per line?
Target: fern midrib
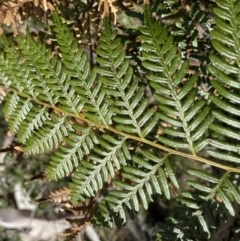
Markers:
<point>20,118</point>
<point>88,180</point>
<point>69,155</point>
<point>136,188</point>
<point>126,135</point>
<point>174,95</point>
<point>123,94</point>
<point>41,141</point>
<point>34,123</point>
<point>181,113</point>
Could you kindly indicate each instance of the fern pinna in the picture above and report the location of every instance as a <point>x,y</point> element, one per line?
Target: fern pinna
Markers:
<point>106,134</point>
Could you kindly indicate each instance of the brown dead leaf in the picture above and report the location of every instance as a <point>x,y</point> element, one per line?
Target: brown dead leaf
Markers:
<point>11,16</point>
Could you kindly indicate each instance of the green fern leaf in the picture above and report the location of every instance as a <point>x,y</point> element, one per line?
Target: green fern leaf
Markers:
<point>141,182</point>
<point>178,108</point>
<point>103,162</point>
<point>49,136</point>
<point>34,121</point>
<point>122,87</point>
<point>225,70</point>
<point>79,142</point>
<point>106,134</point>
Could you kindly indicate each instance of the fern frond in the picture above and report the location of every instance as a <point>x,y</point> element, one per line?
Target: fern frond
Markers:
<point>203,207</point>
<point>49,136</point>
<point>185,114</point>
<point>225,190</point>
<point>11,105</point>
<point>36,84</point>
<point>110,140</point>
<point>58,196</point>
<point>124,92</point>
<point>33,122</point>
<point>83,80</point>
<point>78,143</point>
<point>225,71</point>
<point>17,72</point>
<point>104,160</point>
<point>47,75</point>
<point>24,107</point>
<point>140,181</point>
<point>84,211</point>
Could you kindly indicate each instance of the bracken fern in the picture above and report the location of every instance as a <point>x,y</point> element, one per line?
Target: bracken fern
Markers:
<point>105,132</point>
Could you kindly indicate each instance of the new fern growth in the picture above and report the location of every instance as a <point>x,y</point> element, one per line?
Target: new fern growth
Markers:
<point>106,134</point>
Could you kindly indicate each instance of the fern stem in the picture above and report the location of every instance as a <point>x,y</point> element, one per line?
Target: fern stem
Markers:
<point>129,136</point>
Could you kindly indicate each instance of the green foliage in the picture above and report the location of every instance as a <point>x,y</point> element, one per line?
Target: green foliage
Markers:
<point>107,135</point>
